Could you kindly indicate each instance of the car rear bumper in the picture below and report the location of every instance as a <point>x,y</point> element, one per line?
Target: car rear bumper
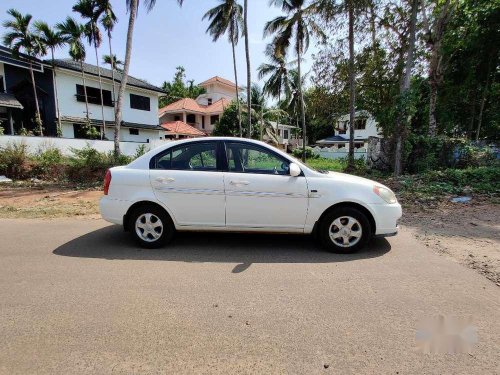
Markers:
<point>113,210</point>
<point>386,218</point>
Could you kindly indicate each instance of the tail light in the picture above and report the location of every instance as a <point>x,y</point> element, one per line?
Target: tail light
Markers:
<point>107,182</point>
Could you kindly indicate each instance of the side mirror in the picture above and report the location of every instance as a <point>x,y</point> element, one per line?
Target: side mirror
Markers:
<point>294,170</point>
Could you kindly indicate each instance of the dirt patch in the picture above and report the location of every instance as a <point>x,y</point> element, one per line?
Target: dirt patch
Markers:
<point>47,202</point>
<point>468,233</point>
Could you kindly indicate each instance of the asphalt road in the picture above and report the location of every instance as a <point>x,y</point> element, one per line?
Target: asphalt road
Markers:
<point>77,296</point>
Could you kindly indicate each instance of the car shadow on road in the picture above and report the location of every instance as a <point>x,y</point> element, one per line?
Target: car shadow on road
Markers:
<point>113,244</point>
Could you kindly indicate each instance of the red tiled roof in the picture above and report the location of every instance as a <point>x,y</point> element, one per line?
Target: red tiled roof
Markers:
<point>190,105</point>
<point>180,127</point>
<point>217,79</point>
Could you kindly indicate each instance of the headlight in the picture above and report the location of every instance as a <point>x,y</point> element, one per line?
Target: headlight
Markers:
<point>384,193</point>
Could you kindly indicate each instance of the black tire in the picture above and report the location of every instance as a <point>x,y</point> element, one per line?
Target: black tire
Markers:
<point>167,226</point>
<point>337,245</point>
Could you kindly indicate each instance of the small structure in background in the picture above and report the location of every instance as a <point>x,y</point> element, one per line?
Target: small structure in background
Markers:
<point>364,126</point>
<point>337,145</point>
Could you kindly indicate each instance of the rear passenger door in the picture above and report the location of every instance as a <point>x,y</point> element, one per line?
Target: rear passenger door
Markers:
<point>187,180</point>
<point>260,193</point>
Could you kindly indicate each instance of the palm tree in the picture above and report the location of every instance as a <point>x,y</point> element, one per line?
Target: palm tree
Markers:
<point>108,21</point>
<point>263,114</point>
<point>295,27</point>
<point>278,81</point>
<point>73,33</point>
<point>21,38</point>
<point>114,62</point>
<point>249,74</point>
<point>227,18</point>
<point>88,10</point>
<point>132,6</point>
<point>51,39</point>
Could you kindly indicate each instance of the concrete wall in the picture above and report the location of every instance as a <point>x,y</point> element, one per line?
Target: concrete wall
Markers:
<point>144,136</point>
<point>65,145</point>
<point>69,106</point>
<point>333,153</point>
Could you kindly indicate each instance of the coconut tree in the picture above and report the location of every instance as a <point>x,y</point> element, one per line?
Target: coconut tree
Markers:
<point>264,114</point>
<point>89,11</point>
<point>226,18</point>
<point>114,62</point>
<point>132,6</point>
<point>73,33</point>
<point>20,38</point>
<point>51,39</point>
<point>108,21</point>
<point>277,71</point>
<point>295,27</point>
<point>249,72</point>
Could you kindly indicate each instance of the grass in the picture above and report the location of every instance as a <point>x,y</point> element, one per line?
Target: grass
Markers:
<point>322,164</point>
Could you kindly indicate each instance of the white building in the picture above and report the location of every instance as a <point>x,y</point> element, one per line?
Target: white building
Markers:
<point>364,126</point>
<point>140,105</point>
<point>197,117</point>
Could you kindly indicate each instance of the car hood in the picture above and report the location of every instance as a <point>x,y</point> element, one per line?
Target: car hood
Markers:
<point>353,179</point>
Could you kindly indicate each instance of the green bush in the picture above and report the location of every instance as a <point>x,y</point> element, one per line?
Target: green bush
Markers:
<point>49,164</point>
<point>15,161</point>
<point>309,153</point>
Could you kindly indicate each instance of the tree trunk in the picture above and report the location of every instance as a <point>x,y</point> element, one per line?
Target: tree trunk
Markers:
<point>483,101</point>
<point>112,68</point>
<point>302,110</point>
<point>237,89</point>
<point>38,118</point>
<point>54,75</point>
<point>87,117</point>
<point>103,130</point>
<point>405,86</point>
<point>352,88</point>
<point>433,88</point>
<point>123,83</point>
<point>249,72</point>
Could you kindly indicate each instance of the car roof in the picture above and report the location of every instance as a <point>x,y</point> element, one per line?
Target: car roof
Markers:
<point>143,161</point>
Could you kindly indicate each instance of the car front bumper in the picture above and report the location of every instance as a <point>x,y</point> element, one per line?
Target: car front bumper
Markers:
<point>386,218</point>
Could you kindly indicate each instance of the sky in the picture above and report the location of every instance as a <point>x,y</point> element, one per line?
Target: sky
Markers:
<point>167,37</point>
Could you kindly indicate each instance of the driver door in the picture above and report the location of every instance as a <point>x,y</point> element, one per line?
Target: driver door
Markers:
<point>187,180</point>
<point>260,193</point>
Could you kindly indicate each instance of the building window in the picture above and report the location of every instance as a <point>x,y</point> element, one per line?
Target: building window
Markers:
<point>342,131</point>
<point>94,95</point>
<point>191,119</point>
<point>2,84</point>
<point>133,131</point>
<point>285,133</point>
<point>360,124</point>
<point>140,102</point>
<point>203,122</point>
<point>358,145</point>
<point>214,119</point>
<point>209,100</point>
<point>177,118</point>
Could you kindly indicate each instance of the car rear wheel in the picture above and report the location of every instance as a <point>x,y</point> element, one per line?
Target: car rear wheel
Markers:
<point>344,230</point>
<point>151,226</point>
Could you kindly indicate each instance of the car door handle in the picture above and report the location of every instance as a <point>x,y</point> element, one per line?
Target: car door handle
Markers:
<point>165,180</point>
<point>232,182</point>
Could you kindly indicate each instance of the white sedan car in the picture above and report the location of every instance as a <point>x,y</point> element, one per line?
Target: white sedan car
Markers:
<point>241,185</point>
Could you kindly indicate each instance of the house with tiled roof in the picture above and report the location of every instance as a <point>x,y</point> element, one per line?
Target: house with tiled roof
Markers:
<point>199,114</point>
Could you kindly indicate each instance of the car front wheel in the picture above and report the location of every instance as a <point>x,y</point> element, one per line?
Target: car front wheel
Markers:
<point>151,226</point>
<point>344,230</point>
